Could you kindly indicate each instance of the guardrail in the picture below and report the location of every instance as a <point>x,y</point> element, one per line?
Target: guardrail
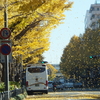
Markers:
<point>13,93</point>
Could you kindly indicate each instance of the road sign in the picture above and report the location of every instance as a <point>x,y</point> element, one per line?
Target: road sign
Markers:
<point>2,57</point>
<point>5,33</point>
<point>5,49</point>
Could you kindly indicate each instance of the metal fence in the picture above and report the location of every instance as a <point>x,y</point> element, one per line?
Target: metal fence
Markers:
<point>13,93</point>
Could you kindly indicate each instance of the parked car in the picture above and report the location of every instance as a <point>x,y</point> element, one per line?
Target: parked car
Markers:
<point>78,85</point>
<point>50,84</point>
<point>59,85</point>
<point>69,85</point>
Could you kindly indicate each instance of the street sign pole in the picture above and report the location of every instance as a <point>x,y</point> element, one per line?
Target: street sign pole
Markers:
<point>6,65</point>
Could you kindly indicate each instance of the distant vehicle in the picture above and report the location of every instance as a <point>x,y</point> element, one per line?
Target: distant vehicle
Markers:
<point>58,85</point>
<point>69,85</point>
<point>78,85</point>
<point>50,84</point>
<point>37,79</point>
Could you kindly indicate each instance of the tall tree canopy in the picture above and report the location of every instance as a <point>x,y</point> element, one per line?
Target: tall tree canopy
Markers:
<point>75,60</point>
<point>31,22</point>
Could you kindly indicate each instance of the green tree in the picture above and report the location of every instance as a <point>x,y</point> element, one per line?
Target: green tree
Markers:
<point>71,58</point>
<point>75,61</point>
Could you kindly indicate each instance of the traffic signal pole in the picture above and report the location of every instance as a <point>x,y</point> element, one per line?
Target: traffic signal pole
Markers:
<point>6,64</point>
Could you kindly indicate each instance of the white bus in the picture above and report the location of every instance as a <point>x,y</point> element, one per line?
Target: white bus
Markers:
<point>37,79</point>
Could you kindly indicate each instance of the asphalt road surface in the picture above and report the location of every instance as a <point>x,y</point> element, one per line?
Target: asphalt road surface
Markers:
<point>66,95</point>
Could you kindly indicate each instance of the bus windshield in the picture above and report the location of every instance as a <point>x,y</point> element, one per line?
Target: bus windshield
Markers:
<point>36,70</point>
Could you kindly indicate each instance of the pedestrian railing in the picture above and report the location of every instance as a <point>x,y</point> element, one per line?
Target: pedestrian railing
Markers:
<point>13,93</point>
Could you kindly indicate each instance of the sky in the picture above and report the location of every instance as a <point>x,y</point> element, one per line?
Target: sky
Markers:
<point>73,25</point>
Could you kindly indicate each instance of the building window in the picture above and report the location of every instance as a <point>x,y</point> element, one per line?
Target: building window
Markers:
<point>98,16</point>
<point>99,23</point>
<point>93,16</point>
<point>97,9</point>
<point>93,25</point>
<point>91,9</point>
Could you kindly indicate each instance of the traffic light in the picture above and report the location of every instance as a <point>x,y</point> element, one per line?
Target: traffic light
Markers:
<point>43,62</point>
<point>94,56</point>
<point>91,57</point>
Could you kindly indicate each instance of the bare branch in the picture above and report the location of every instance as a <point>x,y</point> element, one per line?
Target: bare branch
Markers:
<point>9,4</point>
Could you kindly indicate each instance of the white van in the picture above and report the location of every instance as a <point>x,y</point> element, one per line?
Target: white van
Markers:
<point>37,79</point>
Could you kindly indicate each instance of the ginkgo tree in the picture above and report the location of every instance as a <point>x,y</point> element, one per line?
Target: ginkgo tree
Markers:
<point>31,22</point>
<point>75,61</point>
<point>71,58</point>
<point>52,72</point>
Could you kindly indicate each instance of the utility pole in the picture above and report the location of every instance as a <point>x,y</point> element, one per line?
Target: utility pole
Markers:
<point>5,14</point>
<point>6,65</point>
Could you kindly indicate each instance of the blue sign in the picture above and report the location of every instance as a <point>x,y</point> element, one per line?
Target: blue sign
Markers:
<point>5,49</point>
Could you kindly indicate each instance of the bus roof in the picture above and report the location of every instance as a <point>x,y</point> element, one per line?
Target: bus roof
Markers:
<point>35,65</point>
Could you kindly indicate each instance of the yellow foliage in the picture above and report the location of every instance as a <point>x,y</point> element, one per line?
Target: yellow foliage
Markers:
<point>53,71</point>
<point>31,22</point>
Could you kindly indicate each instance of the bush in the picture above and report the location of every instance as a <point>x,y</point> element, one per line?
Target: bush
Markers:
<point>12,86</point>
<point>20,96</point>
<point>2,87</point>
<point>13,98</point>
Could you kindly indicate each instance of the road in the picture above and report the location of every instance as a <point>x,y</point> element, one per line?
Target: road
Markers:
<point>66,95</point>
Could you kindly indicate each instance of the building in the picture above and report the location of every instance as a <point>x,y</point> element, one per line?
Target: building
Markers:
<point>93,16</point>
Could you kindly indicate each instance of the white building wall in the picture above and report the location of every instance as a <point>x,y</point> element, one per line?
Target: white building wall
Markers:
<point>87,19</point>
<point>92,16</point>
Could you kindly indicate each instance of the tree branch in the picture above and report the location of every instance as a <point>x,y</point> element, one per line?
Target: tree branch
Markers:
<point>28,27</point>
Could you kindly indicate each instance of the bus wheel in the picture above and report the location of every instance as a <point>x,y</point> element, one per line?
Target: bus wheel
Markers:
<point>46,92</point>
